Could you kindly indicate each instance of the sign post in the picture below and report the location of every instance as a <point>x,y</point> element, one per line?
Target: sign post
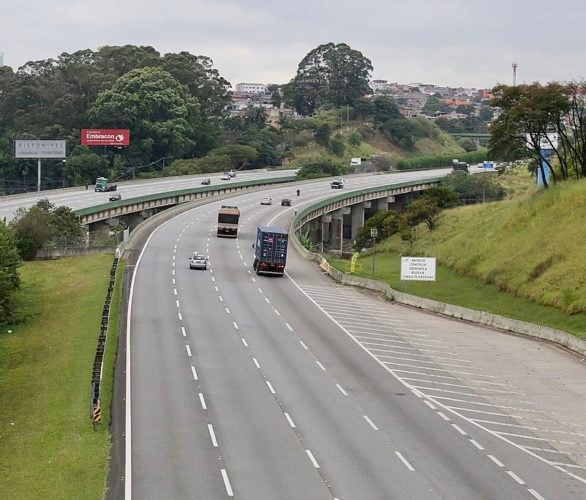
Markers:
<point>373,235</point>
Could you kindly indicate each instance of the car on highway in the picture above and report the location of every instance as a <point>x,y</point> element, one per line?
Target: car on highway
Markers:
<point>225,177</point>
<point>115,197</point>
<point>337,184</point>
<point>198,261</point>
<point>206,182</point>
<point>266,200</point>
<point>285,202</point>
<point>231,173</point>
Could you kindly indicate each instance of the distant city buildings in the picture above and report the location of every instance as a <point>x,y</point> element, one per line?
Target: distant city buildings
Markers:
<point>250,88</point>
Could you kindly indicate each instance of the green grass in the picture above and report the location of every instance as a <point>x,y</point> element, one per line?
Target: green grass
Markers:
<point>48,448</point>
<point>522,258</point>
<point>453,288</point>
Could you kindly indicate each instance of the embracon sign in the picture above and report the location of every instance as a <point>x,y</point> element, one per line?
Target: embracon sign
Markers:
<point>105,137</point>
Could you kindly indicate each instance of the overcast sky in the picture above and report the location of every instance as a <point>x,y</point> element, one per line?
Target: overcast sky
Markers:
<point>469,43</point>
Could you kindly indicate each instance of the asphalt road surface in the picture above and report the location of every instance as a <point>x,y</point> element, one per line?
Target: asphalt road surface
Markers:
<point>296,387</point>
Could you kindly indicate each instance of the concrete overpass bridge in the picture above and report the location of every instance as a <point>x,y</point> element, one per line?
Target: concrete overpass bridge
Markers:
<point>334,223</point>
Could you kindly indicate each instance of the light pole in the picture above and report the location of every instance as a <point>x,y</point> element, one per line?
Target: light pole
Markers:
<point>373,234</point>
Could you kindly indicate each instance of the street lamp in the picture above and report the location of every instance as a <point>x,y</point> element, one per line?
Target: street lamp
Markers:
<point>373,235</point>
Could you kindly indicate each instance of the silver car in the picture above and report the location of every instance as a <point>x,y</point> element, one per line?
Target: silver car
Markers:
<point>198,261</point>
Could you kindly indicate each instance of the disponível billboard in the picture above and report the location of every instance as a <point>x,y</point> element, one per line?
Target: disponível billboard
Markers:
<point>105,136</point>
<point>32,148</point>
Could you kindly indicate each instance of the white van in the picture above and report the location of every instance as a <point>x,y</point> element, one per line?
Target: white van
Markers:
<point>354,162</point>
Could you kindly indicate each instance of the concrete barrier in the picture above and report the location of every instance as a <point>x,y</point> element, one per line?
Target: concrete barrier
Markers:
<point>558,337</point>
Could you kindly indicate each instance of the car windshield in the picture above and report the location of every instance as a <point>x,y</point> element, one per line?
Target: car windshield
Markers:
<point>199,257</point>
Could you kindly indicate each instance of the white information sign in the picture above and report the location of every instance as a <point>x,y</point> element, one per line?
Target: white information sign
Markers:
<point>39,149</point>
<point>418,268</point>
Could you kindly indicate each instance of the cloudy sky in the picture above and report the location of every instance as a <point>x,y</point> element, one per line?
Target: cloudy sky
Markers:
<point>468,43</point>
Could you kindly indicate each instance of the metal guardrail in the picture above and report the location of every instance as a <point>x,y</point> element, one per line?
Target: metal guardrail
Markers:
<point>98,366</point>
<point>169,198</point>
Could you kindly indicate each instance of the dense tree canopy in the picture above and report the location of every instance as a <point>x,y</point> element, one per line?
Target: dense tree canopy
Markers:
<point>9,279</point>
<point>331,74</point>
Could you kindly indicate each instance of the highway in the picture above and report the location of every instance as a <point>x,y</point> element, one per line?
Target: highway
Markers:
<point>296,387</point>
<point>79,197</point>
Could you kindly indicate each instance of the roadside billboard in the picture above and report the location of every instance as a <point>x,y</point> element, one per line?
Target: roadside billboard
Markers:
<point>29,148</point>
<point>105,136</point>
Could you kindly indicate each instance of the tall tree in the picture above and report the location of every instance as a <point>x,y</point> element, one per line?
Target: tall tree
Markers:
<point>9,279</point>
<point>163,117</point>
<point>530,113</point>
<point>330,74</point>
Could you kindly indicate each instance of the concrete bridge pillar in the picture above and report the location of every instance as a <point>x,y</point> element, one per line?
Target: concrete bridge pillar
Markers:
<point>357,212</point>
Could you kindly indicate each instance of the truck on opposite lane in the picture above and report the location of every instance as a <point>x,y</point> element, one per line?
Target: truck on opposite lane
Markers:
<point>103,184</point>
<point>270,250</point>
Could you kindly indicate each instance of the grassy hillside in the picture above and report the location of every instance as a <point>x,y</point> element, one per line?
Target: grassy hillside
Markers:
<point>531,246</point>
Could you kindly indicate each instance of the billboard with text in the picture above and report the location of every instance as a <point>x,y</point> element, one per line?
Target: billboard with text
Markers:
<point>105,136</point>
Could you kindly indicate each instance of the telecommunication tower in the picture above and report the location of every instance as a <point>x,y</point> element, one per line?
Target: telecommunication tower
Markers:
<point>515,74</point>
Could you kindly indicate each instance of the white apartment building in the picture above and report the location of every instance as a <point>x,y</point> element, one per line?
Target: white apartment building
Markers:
<point>251,88</point>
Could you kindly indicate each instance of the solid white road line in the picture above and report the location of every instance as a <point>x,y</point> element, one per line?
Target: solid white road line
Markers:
<point>312,458</point>
<point>202,401</point>
<point>405,462</point>
<point>227,484</point>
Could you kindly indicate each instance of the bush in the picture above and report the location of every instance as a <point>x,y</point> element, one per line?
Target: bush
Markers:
<point>440,161</point>
<point>355,139</point>
<point>474,188</point>
<point>312,169</point>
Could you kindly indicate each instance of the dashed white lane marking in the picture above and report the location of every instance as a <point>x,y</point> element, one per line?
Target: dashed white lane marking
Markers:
<point>227,310</point>
<point>174,282</point>
<point>405,462</point>
<point>303,345</point>
<point>227,484</point>
<point>288,326</point>
<point>173,272</point>
<point>188,349</point>
<point>213,279</point>
<point>183,331</point>
<point>477,444</point>
<point>267,300</point>
<point>221,298</point>
<point>244,342</point>
<point>312,458</point>
<point>289,419</point>
<point>341,389</point>
<point>173,264</point>
<point>173,257</point>
<point>535,494</point>
<point>260,290</point>
<point>202,401</point>
<point>429,404</point>
<point>444,416</point>
<point>216,288</point>
<point>194,372</point>
<point>320,365</point>
<point>459,429</point>
<point>277,312</point>
<point>180,317</point>
<point>235,325</point>
<point>175,291</point>
<point>496,460</point>
<point>269,385</point>
<point>370,422</point>
<point>212,435</point>
<point>256,362</point>
<point>515,477</point>
<point>177,303</point>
